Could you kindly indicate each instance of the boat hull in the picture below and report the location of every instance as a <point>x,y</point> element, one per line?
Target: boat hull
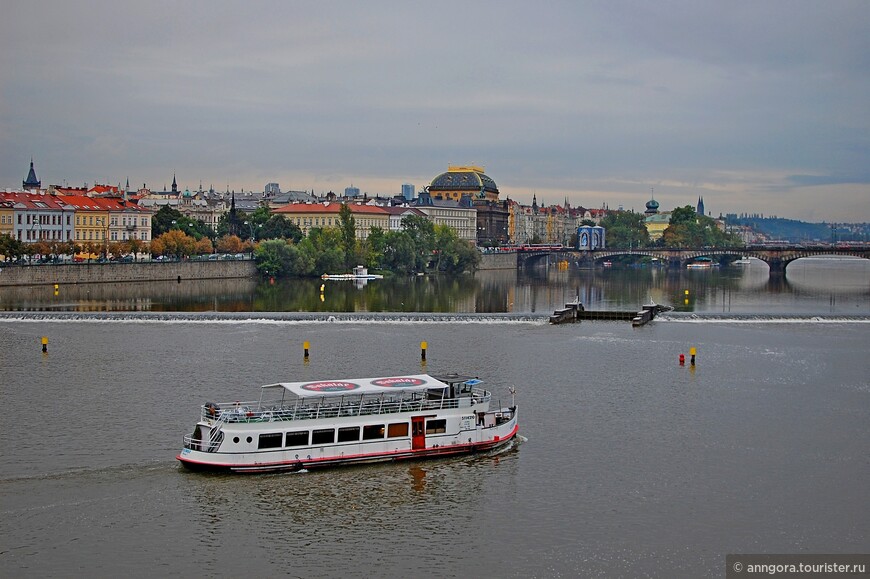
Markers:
<point>483,440</point>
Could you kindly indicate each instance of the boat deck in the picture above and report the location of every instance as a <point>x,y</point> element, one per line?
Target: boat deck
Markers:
<point>332,407</point>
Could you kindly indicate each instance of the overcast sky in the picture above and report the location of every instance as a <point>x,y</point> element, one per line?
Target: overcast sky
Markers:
<point>758,106</point>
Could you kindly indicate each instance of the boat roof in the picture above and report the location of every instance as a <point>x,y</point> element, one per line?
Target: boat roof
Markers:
<point>363,385</point>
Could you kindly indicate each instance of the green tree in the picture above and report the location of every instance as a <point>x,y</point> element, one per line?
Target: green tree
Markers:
<point>688,229</point>
<point>164,219</point>
<point>625,230</point>
<point>453,255</point>
<point>279,227</point>
<point>400,253</point>
<point>347,227</point>
<point>421,231</point>
<point>10,248</point>
<point>273,257</point>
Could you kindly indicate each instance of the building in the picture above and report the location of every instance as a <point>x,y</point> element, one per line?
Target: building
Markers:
<point>104,220</point>
<point>470,181</point>
<point>308,216</point>
<point>460,215</point>
<point>398,214</point>
<point>38,217</point>
<point>407,191</point>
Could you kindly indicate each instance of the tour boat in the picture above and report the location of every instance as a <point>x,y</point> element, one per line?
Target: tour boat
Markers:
<point>359,272</point>
<point>305,425</point>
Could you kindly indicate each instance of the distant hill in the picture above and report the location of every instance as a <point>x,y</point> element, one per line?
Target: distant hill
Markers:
<point>777,228</point>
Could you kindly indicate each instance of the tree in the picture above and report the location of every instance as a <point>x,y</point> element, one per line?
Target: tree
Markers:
<point>174,242</point>
<point>625,230</point>
<point>279,227</point>
<point>204,246</point>
<point>688,229</point>
<point>453,255</point>
<point>347,227</point>
<point>421,231</point>
<point>163,220</point>
<point>274,257</point>
<point>10,248</point>
<point>373,247</point>
<point>400,253</point>
<point>229,244</point>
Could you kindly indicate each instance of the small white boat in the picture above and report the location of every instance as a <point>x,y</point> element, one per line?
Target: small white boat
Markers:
<point>359,272</point>
<point>742,261</point>
<point>305,425</point>
<point>702,263</point>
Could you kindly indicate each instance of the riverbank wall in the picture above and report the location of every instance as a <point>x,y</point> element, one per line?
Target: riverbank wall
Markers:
<point>498,261</point>
<point>49,274</point>
<point>23,275</point>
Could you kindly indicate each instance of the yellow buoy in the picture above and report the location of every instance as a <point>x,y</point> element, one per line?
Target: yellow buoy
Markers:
<point>423,347</point>
<point>305,346</point>
<point>45,343</point>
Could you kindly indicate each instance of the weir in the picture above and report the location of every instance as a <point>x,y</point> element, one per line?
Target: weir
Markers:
<point>575,312</point>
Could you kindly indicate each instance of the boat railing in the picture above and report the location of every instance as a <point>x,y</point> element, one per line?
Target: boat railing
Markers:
<point>192,442</point>
<point>316,408</point>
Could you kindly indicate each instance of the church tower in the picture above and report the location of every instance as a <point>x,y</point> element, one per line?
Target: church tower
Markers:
<point>31,183</point>
<point>700,209</point>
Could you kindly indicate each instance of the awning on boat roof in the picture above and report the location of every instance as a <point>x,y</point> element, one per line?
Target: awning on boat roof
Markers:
<point>384,384</point>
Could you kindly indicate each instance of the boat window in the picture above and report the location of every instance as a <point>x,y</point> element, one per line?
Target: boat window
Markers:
<point>436,426</point>
<point>324,436</point>
<point>372,431</point>
<point>298,438</point>
<point>271,440</point>
<point>348,434</point>
<point>398,429</point>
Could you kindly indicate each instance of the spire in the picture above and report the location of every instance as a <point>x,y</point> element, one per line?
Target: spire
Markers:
<point>174,184</point>
<point>31,182</point>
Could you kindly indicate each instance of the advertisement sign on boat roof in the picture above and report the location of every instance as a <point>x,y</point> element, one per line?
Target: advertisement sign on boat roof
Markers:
<point>360,385</point>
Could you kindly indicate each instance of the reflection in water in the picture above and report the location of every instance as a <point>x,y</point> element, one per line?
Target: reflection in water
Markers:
<point>809,285</point>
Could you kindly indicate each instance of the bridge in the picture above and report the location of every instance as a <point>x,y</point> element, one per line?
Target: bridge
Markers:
<point>777,258</point>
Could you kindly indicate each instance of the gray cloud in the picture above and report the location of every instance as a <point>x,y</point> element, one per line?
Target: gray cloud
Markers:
<point>755,106</point>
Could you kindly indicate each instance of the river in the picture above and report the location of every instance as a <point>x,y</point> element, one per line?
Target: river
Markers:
<point>631,464</point>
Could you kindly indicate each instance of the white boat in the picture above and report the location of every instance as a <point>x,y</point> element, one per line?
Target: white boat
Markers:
<point>359,272</point>
<point>305,425</point>
<point>702,263</point>
<point>741,261</point>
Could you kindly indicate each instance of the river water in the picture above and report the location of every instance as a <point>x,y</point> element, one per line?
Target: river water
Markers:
<point>631,464</point>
